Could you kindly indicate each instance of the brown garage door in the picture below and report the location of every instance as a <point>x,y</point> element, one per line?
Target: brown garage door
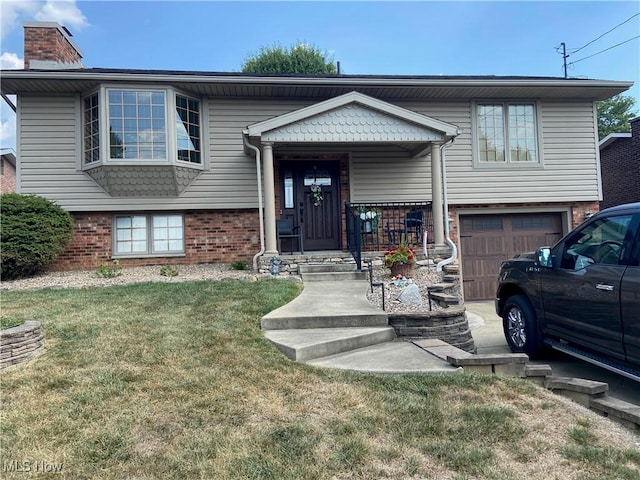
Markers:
<point>487,240</point>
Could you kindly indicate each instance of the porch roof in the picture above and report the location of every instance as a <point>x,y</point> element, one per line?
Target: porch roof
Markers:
<point>353,118</point>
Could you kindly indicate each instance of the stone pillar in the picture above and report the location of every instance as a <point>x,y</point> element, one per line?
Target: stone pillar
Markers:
<point>271,244</point>
<point>436,195</point>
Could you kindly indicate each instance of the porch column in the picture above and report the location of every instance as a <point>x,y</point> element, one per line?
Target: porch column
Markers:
<point>271,244</point>
<point>436,195</point>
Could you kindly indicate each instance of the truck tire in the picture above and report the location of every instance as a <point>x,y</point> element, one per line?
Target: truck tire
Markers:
<point>521,328</point>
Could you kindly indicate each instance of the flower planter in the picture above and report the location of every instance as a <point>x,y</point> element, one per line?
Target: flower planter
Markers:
<point>405,269</point>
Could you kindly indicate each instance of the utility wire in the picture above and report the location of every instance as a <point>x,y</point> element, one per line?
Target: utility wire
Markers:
<point>596,39</point>
<point>602,51</point>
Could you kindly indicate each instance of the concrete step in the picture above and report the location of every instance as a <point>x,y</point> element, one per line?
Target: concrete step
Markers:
<point>444,299</point>
<point>296,322</point>
<point>333,276</point>
<point>308,344</point>
<point>452,268</point>
<point>387,358</point>
<point>327,267</point>
<point>441,287</point>
<point>450,278</point>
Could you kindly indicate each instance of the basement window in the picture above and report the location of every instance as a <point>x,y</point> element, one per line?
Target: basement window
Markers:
<point>148,235</point>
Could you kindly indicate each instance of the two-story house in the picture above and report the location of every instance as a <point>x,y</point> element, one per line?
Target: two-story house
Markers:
<point>191,167</point>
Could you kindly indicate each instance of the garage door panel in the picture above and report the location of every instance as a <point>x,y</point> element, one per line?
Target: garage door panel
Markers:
<point>487,240</point>
<point>483,246</point>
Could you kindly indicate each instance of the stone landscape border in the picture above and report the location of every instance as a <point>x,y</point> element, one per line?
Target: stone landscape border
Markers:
<point>21,344</point>
<point>449,325</point>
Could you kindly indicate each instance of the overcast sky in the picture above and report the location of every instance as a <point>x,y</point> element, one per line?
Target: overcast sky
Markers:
<point>404,38</point>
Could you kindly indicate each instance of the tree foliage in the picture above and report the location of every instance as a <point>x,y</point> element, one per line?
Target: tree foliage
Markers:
<point>34,232</point>
<point>614,115</point>
<point>297,59</point>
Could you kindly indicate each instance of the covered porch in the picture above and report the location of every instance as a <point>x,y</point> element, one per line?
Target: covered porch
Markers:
<point>349,159</point>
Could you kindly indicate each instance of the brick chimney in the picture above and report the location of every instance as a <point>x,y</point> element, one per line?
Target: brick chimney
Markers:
<point>48,45</point>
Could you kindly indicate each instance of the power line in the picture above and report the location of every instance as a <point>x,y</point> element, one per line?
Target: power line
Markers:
<point>606,49</point>
<point>605,33</point>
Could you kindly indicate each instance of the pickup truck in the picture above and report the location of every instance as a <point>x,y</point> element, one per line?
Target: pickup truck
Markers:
<point>581,296</point>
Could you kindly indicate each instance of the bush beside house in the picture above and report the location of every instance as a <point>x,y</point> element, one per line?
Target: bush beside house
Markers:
<point>34,232</point>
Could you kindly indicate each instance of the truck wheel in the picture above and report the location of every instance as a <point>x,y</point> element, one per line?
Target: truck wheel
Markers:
<point>521,328</point>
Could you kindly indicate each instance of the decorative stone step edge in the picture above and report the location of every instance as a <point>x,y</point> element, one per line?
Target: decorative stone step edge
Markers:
<point>623,412</point>
<point>20,344</point>
<point>444,299</point>
<point>589,393</point>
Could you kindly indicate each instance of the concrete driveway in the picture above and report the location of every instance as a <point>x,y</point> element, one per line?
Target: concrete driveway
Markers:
<point>486,329</point>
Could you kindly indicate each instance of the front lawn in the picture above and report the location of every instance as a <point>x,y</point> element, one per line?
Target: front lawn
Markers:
<point>177,381</point>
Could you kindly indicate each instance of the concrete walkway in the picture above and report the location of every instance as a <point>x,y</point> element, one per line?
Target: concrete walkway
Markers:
<point>332,324</point>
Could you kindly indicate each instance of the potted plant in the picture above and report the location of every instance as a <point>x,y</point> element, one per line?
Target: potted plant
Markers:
<point>369,219</point>
<point>401,260</point>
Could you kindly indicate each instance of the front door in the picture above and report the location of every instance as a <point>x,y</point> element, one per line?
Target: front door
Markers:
<point>310,195</point>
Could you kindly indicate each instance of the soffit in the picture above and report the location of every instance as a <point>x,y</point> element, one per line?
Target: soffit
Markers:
<point>387,87</point>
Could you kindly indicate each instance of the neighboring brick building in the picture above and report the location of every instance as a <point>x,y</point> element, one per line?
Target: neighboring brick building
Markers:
<point>620,167</point>
<point>8,171</point>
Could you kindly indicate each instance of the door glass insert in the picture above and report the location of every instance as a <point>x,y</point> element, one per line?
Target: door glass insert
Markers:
<point>288,189</point>
<point>317,177</point>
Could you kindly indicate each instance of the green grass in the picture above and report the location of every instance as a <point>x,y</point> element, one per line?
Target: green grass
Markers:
<point>9,322</point>
<point>177,381</point>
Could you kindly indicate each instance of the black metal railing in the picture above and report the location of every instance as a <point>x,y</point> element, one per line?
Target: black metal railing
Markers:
<point>378,226</point>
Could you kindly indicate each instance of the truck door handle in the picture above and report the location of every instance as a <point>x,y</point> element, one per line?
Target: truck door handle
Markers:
<point>605,287</point>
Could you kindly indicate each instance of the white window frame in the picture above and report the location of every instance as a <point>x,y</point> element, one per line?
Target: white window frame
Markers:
<point>150,239</point>
<point>507,163</point>
<point>171,146</point>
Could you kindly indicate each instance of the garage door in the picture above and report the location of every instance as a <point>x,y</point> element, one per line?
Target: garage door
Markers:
<point>487,240</point>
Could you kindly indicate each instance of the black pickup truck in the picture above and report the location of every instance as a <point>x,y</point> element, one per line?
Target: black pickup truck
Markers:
<point>581,296</point>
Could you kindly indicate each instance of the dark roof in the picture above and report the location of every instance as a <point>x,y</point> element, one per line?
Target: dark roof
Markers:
<point>315,86</point>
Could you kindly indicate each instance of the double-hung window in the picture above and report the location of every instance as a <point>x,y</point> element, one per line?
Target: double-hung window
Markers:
<point>153,234</point>
<point>506,133</point>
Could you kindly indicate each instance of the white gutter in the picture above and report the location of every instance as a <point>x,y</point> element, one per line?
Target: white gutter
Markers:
<point>260,206</point>
<point>454,249</point>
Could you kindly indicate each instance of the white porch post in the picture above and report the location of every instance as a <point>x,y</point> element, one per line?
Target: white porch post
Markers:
<point>271,244</point>
<point>436,195</point>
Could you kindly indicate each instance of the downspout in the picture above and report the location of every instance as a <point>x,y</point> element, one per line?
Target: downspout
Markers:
<point>260,205</point>
<point>454,249</point>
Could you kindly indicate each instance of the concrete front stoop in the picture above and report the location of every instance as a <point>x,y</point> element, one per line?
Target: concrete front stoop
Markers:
<point>332,324</point>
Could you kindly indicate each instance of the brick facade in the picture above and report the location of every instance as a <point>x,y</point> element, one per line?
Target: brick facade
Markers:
<point>211,236</point>
<point>48,43</point>
<point>7,176</point>
<point>620,169</point>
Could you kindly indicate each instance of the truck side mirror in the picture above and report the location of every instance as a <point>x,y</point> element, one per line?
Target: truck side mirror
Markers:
<point>543,254</point>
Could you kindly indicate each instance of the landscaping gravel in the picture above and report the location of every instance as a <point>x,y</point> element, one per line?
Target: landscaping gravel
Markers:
<point>88,278</point>
<point>423,277</point>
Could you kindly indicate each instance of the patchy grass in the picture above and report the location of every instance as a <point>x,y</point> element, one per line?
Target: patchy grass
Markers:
<point>9,322</point>
<point>177,381</point>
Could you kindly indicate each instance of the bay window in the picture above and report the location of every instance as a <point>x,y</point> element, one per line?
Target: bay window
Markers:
<point>149,126</point>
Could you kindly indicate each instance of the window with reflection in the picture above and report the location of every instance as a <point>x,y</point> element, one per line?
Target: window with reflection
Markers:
<point>138,127</point>
<point>506,133</point>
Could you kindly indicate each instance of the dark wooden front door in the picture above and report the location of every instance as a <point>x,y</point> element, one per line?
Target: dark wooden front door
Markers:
<point>310,195</point>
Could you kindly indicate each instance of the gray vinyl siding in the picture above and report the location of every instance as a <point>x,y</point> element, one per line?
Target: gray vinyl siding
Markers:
<point>50,158</point>
<point>49,165</point>
<point>568,172</point>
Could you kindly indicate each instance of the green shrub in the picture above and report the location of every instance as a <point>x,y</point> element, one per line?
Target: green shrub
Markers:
<point>169,271</point>
<point>34,232</point>
<point>239,265</point>
<point>109,271</point>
